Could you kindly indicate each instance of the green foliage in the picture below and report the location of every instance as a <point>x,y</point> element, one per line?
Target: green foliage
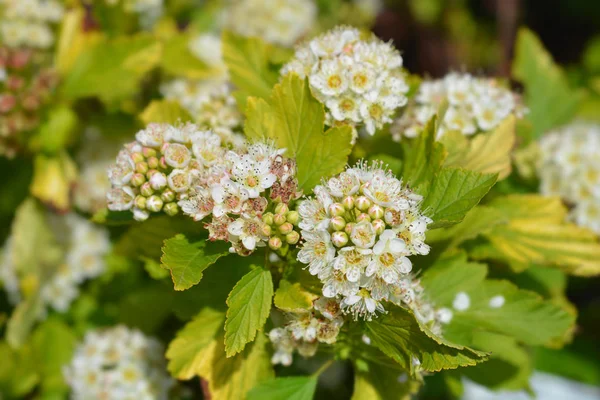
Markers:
<point>112,69</point>
<point>383,383</point>
<point>249,65</point>
<point>550,99</point>
<point>453,193</point>
<point>294,119</point>
<point>536,233</point>
<point>294,388</point>
<point>249,306</point>
<point>166,111</point>
<point>292,297</point>
<point>523,315</point>
<point>186,260</point>
<point>414,347</point>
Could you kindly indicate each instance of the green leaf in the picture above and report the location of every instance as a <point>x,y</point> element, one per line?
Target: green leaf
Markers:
<point>450,275</point>
<point>57,131</point>
<point>294,120</point>
<point>509,367</point>
<point>400,336</point>
<point>178,60</point>
<point>186,352</point>
<point>383,383</point>
<point>154,269</point>
<point>247,60</point>
<point>249,307</point>
<point>53,180</point>
<point>186,260</point>
<point>537,233</point>
<point>164,111</point>
<point>18,371</point>
<point>550,99</point>
<point>292,297</point>
<point>479,220</point>
<point>54,344</point>
<point>112,69</point>
<point>453,193</point>
<point>292,388</point>
<point>423,158</point>
<point>488,153</point>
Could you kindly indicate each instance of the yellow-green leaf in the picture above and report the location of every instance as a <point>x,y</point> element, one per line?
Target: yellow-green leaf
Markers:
<point>288,388</point>
<point>52,180</point>
<point>165,111</point>
<point>537,233</point>
<point>292,297</point>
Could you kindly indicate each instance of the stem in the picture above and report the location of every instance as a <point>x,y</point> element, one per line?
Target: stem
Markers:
<point>323,368</point>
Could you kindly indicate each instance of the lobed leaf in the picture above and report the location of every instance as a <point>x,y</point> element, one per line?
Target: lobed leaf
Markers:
<point>165,111</point>
<point>292,297</point>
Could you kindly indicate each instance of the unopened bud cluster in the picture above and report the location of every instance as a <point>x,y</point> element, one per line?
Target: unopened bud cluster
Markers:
<point>281,226</point>
<point>358,232</point>
<point>118,363</point>
<point>29,23</point>
<point>25,89</point>
<point>210,104</point>
<point>304,331</point>
<point>82,247</point>
<point>359,80</point>
<point>474,105</point>
<point>172,168</point>
<point>569,167</point>
<point>281,22</point>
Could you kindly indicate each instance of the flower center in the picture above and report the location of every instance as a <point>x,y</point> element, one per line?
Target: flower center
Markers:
<point>334,81</point>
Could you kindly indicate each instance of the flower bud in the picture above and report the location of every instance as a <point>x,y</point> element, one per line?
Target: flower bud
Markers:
<point>152,162</point>
<point>138,179</point>
<point>171,209</point>
<point>140,202</point>
<point>267,218</point>
<point>336,209</point>
<point>177,155</point>
<point>337,223</point>
<point>376,211</point>
<point>146,189</point>
<point>281,208</point>
<point>266,230</point>
<point>279,219</point>
<point>362,203</point>
<point>167,195</point>
<point>379,226</point>
<point>154,203</point>
<point>141,167</point>
<point>363,217</point>
<point>162,163</point>
<point>348,202</point>
<point>275,243</point>
<point>348,228</point>
<point>158,181</point>
<point>137,157</point>
<point>286,228</point>
<point>292,237</point>
<point>339,239</point>
<point>140,215</point>
<point>292,217</point>
<point>149,152</point>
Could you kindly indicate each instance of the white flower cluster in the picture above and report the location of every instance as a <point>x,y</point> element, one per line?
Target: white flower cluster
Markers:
<point>360,81</point>
<point>569,167</point>
<point>303,332</point>
<point>172,167</point>
<point>207,47</point>
<point>474,105</point>
<point>118,363</point>
<point>358,232</point>
<point>84,246</point>
<point>281,22</point>
<point>211,105</point>
<point>28,23</point>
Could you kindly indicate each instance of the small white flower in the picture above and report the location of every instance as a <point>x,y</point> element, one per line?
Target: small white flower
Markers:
<point>317,252</point>
<point>363,235</point>
<point>461,302</point>
<point>249,231</point>
<point>497,301</point>
<point>177,155</point>
<point>362,305</point>
<point>444,315</point>
<point>254,176</point>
